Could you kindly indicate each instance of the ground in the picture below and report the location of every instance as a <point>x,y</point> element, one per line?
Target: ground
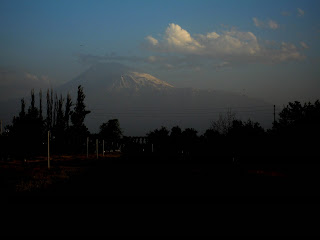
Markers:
<point>113,175</point>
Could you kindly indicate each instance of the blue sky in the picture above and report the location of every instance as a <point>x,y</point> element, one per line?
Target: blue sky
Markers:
<point>268,49</point>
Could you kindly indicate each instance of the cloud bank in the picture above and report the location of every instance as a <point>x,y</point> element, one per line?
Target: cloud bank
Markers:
<point>227,46</point>
<point>177,48</point>
<point>178,40</point>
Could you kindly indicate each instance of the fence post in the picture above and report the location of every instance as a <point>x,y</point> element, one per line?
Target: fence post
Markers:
<point>103,147</point>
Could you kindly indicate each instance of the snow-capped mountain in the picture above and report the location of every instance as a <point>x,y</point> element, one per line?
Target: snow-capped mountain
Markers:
<point>104,78</point>
<point>138,81</point>
<point>143,102</point>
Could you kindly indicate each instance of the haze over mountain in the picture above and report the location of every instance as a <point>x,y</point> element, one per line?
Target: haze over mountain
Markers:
<point>250,50</point>
<point>143,102</point>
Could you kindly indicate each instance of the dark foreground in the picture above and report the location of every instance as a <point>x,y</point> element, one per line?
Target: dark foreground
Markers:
<point>113,178</point>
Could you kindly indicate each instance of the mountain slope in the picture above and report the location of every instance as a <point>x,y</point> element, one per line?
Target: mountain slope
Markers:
<point>138,81</point>
<point>105,77</point>
<point>143,102</point>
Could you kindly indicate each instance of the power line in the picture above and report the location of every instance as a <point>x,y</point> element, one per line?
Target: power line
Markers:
<point>151,112</point>
<point>191,109</point>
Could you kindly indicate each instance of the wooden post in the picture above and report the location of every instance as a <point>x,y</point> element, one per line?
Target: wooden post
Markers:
<point>48,149</point>
<point>103,147</point>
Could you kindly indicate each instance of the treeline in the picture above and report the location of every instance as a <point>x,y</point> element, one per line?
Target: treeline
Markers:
<point>292,139</point>
<point>60,119</point>
<point>28,134</point>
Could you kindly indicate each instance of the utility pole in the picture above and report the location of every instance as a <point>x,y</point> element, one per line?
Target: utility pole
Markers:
<point>48,149</point>
<point>97,148</point>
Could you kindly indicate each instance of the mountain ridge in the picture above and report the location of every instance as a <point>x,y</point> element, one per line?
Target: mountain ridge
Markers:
<point>143,102</point>
<point>137,81</point>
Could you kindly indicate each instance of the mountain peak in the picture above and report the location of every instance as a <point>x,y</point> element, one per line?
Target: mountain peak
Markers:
<point>139,81</point>
<point>115,76</point>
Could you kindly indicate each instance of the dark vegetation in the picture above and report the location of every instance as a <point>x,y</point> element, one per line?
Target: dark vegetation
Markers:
<point>27,136</point>
<point>292,138</point>
<point>230,140</point>
<point>228,149</point>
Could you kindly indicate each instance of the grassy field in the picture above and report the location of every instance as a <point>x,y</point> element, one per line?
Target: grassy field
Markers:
<point>113,175</point>
<point>33,176</point>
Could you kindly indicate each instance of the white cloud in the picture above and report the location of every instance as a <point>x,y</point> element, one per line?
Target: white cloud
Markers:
<point>152,40</point>
<point>231,42</point>
<point>265,24</point>
<point>300,12</point>
<point>213,35</point>
<point>179,39</point>
<point>227,46</point>
<point>288,51</point>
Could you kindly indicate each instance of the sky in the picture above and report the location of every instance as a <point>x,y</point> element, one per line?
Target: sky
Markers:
<point>264,49</point>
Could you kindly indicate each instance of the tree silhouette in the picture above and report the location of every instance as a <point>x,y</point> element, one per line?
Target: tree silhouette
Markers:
<point>297,127</point>
<point>22,113</point>
<point>224,122</point>
<point>175,132</point>
<point>60,122</point>
<point>59,128</point>
<point>111,132</point>
<point>68,111</point>
<point>159,137</point>
<point>189,139</point>
<point>80,112</point>
<point>49,111</point>
<point>245,139</point>
<point>298,117</point>
<point>176,140</point>
<point>26,131</point>
<point>40,105</point>
<point>245,129</point>
<point>211,134</point>
<point>78,130</point>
